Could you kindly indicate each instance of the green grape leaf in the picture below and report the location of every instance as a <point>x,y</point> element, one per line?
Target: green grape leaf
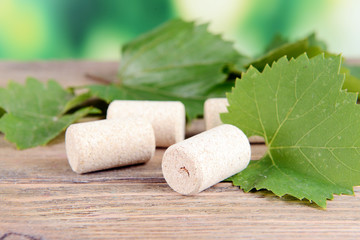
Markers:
<point>35,113</point>
<point>176,61</point>
<point>311,128</point>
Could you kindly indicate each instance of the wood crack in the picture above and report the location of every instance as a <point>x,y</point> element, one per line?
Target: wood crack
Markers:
<point>23,236</point>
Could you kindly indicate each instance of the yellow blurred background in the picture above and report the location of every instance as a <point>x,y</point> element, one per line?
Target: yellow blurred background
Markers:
<point>95,29</point>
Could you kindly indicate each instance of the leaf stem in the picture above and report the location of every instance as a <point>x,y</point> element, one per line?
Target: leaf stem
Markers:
<point>97,78</point>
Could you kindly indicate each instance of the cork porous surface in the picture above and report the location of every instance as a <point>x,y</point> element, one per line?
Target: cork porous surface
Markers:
<point>167,117</point>
<point>206,159</point>
<point>212,109</point>
<point>98,145</point>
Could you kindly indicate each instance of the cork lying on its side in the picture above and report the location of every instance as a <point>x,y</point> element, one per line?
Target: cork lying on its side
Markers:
<point>212,109</point>
<point>206,159</point>
<point>166,117</point>
<point>98,145</point>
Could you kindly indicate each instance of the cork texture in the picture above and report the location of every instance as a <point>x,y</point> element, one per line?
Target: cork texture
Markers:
<point>166,117</point>
<point>98,145</point>
<point>212,109</point>
<point>205,159</point>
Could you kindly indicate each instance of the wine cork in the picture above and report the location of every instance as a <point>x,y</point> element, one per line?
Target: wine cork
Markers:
<point>166,117</point>
<point>206,159</point>
<point>212,109</point>
<point>98,145</point>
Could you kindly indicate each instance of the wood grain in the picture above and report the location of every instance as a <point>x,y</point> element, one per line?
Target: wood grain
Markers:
<point>152,210</point>
<point>41,198</point>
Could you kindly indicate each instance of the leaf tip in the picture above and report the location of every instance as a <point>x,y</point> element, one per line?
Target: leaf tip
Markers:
<point>253,71</point>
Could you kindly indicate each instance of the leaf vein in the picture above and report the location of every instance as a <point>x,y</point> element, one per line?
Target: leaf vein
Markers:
<point>316,169</point>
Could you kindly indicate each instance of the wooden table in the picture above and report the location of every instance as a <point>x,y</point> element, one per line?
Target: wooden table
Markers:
<point>41,198</point>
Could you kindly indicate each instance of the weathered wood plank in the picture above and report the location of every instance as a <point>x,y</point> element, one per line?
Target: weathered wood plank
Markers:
<point>41,198</point>
<point>152,210</point>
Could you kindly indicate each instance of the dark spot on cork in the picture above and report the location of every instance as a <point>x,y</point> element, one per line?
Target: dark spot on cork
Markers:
<point>183,169</point>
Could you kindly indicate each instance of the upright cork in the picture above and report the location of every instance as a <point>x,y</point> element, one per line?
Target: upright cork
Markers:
<point>212,109</point>
<point>206,159</point>
<point>98,145</point>
<point>166,117</point>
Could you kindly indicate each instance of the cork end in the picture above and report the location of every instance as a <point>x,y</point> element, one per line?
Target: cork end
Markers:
<point>181,172</point>
<point>104,144</point>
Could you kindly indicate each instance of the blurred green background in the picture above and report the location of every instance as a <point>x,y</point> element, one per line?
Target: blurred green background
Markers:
<point>95,29</point>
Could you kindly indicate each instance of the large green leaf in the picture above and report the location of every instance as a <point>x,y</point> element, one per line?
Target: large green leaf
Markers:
<point>177,61</point>
<point>36,112</point>
<point>311,128</point>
